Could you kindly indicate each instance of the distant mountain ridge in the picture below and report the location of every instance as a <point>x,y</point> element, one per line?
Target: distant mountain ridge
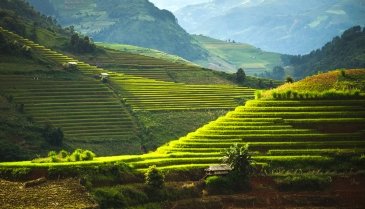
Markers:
<point>284,26</point>
<point>136,22</point>
<point>345,51</point>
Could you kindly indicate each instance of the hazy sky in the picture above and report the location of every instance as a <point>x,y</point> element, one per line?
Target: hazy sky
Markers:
<point>173,5</point>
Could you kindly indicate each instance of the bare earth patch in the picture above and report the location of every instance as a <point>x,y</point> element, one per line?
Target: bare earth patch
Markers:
<point>66,193</point>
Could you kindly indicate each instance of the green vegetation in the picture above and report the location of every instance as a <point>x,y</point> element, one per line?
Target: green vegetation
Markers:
<point>310,95</point>
<point>64,156</point>
<point>154,178</point>
<point>162,126</point>
<point>353,80</point>
<point>20,138</point>
<point>304,182</point>
<point>238,55</point>
<point>113,22</point>
<point>81,44</point>
<point>147,94</point>
<point>141,196</point>
<point>332,55</point>
<point>144,51</point>
<point>239,160</point>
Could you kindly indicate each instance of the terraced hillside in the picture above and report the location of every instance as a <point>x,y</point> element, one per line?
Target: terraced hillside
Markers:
<point>148,94</point>
<point>252,59</point>
<point>279,133</point>
<point>83,107</point>
<point>89,113</point>
<point>153,68</point>
<point>141,94</point>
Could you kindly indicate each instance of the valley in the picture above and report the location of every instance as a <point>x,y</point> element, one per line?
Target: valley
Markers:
<point>118,124</point>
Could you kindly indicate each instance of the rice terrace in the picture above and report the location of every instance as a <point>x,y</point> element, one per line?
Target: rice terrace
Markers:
<point>141,105</point>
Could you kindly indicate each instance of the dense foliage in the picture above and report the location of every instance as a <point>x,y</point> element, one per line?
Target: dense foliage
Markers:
<point>125,21</point>
<point>346,51</point>
<point>64,156</point>
<point>81,44</point>
<point>154,178</point>
<point>20,138</point>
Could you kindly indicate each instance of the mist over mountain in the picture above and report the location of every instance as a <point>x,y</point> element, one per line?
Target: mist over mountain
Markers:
<point>136,22</point>
<point>285,26</point>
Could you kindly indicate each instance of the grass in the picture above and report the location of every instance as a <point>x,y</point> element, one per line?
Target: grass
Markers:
<point>274,128</point>
<point>144,51</point>
<point>253,60</point>
<point>353,79</point>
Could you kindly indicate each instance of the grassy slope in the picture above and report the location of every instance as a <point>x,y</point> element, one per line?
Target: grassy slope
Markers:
<point>165,126</point>
<point>252,59</point>
<point>290,134</point>
<point>223,96</point>
<point>144,51</point>
<point>88,112</point>
<point>115,21</point>
<point>353,79</point>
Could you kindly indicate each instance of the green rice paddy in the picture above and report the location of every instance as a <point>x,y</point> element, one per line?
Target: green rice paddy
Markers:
<point>88,107</point>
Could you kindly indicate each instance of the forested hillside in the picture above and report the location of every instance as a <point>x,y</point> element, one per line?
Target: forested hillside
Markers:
<point>345,51</point>
<point>136,22</point>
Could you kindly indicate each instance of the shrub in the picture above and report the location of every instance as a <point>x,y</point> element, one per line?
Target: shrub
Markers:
<point>63,154</point>
<point>289,79</point>
<point>154,178</point>
<point>87,155</point>
<point>343,73</point>
<point>239,159</point>
<point>76,156</point>
<point>52,135</point>
<point>218,185</point>
<point>52,153</point>
<point>258,94</point>
<point>305,182</point>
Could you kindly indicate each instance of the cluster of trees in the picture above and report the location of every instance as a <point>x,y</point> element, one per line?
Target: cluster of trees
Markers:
<point>346,51</point>
<point>54,136</point>
<point>10,47</point>
<point>240,76</point>
<point>81,44</point>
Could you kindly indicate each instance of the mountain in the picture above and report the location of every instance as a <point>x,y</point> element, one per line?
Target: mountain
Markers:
<point>345,51</point>
<point>136,22</point>
<point>285,26</point>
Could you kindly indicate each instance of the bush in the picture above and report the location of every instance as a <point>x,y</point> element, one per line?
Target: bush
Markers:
<point>289,79</point>
<point>87,155</point>
<point>305,182</point>
<point>239,159</point>
<point>52,135</point>
<point>52,153</point>
<point>154,178</point>
<point>64,156</point>
<point>218,185</point>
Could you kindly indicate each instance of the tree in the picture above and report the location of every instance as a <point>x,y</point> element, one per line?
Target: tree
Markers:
<point>154,178</point>
<point>240,161</point>
<point>52,135</point>
<point>278,72</point>
<point>289,79</point>
<point>240,75</point>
